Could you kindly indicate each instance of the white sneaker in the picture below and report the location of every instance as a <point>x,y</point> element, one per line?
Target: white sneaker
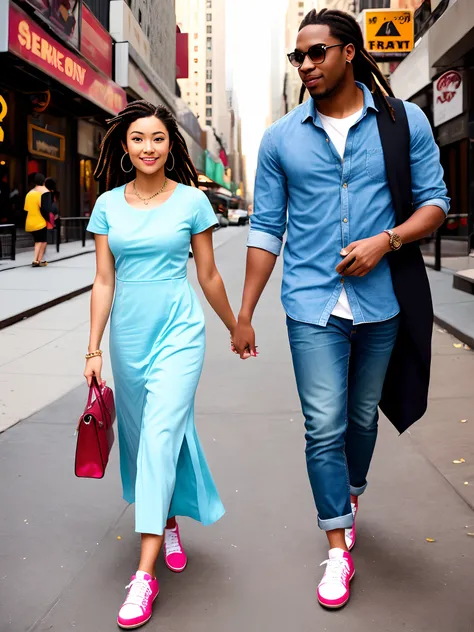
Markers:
<point>334,588</point>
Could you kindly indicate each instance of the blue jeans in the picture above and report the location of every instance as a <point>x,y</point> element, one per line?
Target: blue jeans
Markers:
<point>340,370</point>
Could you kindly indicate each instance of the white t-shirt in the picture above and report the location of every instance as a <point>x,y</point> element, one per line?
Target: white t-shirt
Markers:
<point>337,130</point>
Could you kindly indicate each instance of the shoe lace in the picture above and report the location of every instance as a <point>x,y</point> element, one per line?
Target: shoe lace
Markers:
<point>139,593</point>
<point>337,570</point>
<point>172,543</point>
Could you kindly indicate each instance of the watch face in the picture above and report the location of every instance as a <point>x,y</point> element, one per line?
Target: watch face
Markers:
<point>396,241</point>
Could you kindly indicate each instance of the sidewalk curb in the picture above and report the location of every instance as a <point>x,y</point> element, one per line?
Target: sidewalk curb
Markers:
<point>457,333</point>
<point>11,320</point>
<point>28,265</point>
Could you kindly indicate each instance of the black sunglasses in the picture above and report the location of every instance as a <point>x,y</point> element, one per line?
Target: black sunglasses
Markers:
<point>316,53</point>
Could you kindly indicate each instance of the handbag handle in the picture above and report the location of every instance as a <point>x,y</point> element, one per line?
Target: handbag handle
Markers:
<point>94,389</point>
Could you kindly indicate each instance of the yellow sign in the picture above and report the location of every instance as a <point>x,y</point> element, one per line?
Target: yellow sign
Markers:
<point>3,113</point>
<point>389,32</point>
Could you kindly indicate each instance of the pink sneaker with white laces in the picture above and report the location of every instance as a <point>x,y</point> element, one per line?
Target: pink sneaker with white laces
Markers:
<point>351,533</point>
<point>334,588</point>
<point>137,608</point>
<point>175,557</point>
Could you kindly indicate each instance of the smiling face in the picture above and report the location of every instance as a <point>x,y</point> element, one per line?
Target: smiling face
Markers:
<point>148,144</point>
<point>323,79</point>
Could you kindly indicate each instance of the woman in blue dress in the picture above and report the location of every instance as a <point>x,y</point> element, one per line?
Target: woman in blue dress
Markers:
<point>144,225</point>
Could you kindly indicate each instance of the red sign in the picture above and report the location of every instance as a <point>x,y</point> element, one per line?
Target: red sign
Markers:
<point>182,56</point>
<point>27,40</point>
<point>96,43</point>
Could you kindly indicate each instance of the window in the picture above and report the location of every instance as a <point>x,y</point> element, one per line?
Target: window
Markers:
<point>209,43</point>
<point>301,14</point>
<point>208,100</point>
<point>196,49</point>
<point>196,35</point>
<point>209,123</point>
<point>208,112</point>
<point>209,17</point>
<point>209,75</point>
<point>197,83</point>
<point>209,63</point>
<point>208,87</point>
<point>301,5</point>
<point>196,60</point>
<point>209,4</point>
<point>187,94</point>
<point>140,17</point>
<point>209,28</point>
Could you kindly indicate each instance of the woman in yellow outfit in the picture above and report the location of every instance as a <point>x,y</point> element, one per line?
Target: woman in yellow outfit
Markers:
<point>37,207</point>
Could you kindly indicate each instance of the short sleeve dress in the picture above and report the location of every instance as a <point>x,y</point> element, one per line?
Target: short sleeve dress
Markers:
<point>157,344</point>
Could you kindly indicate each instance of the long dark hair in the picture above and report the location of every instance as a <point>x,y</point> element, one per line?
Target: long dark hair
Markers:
<point>111,149</point>
<point>345,28</point>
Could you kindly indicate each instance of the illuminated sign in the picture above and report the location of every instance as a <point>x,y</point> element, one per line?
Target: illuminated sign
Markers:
<point>448,98</point>
<point>3,113</point>
<point>388,33</point>
<point>28,41</point>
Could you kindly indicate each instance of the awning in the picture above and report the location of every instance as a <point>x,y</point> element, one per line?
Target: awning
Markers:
<point>452,36</point>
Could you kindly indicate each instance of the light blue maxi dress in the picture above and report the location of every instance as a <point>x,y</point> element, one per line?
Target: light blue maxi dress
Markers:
<point>157,344</point>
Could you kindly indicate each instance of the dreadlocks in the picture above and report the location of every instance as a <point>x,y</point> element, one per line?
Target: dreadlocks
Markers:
<point>345,28</point>
<point>111,150</point>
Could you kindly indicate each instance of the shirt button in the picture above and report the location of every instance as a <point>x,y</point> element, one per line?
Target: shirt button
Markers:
<point>345,185</point>
<point>342,280</point>
<point>345,220</point>
<point>327,140</point>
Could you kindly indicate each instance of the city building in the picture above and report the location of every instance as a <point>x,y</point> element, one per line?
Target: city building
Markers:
<point>56,90</point>
<point>437,75</point>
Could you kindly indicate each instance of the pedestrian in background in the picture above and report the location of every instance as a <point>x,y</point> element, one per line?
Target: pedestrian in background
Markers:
<point>144,224</point>
<point>355,288</point>
<point>38,208</point>
<point>50,184</point>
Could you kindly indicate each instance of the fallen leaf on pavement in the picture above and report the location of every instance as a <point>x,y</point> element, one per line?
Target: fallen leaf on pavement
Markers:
<point>466,483</point>
<point>466,347</point>
<point>119,537</point>
<point>471,534</point>
<point>464,421</point>
<point>430,540</point>
<point>458,461</point>
<point>457,345</point>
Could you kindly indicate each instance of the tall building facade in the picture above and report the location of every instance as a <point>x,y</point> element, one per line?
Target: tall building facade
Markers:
<point>205,89</point>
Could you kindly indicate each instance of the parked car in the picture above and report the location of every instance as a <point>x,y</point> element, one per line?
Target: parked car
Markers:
<point>238,216</point>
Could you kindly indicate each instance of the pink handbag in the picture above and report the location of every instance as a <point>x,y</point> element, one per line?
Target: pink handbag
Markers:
<point>95,432</point>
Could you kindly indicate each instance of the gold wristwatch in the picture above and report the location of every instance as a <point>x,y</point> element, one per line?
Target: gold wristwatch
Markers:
<point>395,240</point>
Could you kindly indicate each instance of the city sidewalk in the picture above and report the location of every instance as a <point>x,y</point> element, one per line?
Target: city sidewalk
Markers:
<point>68,546</point>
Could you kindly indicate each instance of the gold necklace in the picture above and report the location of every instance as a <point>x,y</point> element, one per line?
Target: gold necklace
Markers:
<point>146,200</point>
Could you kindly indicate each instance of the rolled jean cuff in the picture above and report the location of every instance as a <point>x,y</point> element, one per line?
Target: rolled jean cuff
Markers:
<point>343,522</point>
<point>358,491</point>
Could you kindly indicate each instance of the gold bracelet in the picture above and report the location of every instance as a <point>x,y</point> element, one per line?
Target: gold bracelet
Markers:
<point>94,354</point>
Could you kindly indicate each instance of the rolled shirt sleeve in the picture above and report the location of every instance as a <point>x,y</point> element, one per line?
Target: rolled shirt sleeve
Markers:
<point>268,222</point>
<point>428,185</point>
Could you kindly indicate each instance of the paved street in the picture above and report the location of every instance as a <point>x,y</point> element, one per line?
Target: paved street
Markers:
<point>68,546</point>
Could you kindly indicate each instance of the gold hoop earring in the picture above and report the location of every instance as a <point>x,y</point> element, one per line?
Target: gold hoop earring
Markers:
<point>121,163</point>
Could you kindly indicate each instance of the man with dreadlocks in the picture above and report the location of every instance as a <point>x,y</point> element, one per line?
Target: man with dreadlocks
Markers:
<point>322,176</point>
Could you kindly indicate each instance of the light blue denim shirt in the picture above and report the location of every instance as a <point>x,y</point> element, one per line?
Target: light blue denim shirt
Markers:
<point>325,203</point>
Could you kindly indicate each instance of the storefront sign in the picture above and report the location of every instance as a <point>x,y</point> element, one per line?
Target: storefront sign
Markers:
<point>42,142</point>
<point>388,33</point>
<point>3,113</point>
<point>28,41</point>
<point>182,55</point>
<point>62,16</point>
<point>96,43</point>
<point>448,99</point>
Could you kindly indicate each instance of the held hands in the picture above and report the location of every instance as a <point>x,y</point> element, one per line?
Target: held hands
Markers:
<point>360,257</point>
<point>243,340</point>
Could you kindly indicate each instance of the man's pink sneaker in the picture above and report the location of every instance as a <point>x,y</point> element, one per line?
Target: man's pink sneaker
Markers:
<point>351,533</point>
<point>175,557</point>
<point>334,588</point>
<point>137,608</point>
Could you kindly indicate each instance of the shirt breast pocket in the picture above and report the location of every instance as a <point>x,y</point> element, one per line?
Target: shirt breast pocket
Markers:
<point>375,165</point>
